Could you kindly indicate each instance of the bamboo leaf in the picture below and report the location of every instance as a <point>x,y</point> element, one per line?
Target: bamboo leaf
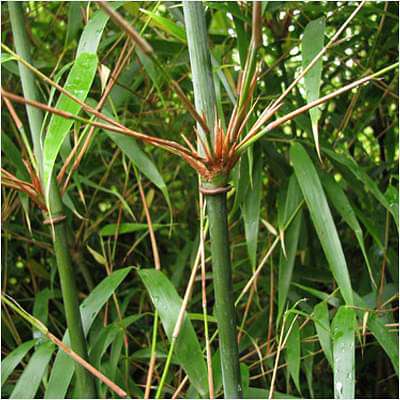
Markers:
<point>168,303</point>
<point>322,326</point>
<point>251,211</point>
<point>63,367</point>
<point>41,308</point>
<point>343,328</point>
<point>90,38</point>
<point>74,20</point>
<point>29,381</point>
<point>9,363</point>
<point>293,352</point>
<point>166,25</point>
<point>78,83</point>
<point>291,238</point>
<point>343,206</point>
<point>311,45</point>
<point>322,219</point>
<point>308,348</point>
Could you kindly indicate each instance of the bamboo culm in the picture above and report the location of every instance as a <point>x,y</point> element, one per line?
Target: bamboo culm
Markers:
<point>224,299</point>
<point>85,382</point>
<point>204,94</point>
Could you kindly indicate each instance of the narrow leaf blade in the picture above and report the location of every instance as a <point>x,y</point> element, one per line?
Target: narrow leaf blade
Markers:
<point>78,83</point>
<point>343,334</point>
<point>312,44</point>
<point>30,379</point>
<point>187,350</point>
<point>322,219</point>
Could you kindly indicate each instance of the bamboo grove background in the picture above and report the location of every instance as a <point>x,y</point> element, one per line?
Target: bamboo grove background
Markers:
<point>312,214</point>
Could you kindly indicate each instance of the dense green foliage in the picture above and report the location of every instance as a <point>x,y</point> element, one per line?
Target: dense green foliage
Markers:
<point>321,318</point>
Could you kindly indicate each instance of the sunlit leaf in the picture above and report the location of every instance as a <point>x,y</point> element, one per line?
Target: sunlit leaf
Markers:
<point>343,337</point>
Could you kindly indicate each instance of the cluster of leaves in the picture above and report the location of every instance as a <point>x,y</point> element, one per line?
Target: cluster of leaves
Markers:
<point>324,224</point>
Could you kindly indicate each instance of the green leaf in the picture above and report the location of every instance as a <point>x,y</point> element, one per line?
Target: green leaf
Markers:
<point>343,329</point>
<point>107,336</point>
<point>166,25</point>
<point>29,381</point>
<point>111,229</point>
<point>311,45</point>
<point>64,366</point>
<point>322,326</point>
<point>78,83</point>
<point>322,219</point>
<point>9,363</point>
<point>90,38</point>
<point>291,238</point>
<point>187,350</point>
<point>251,210</point>
<point>245,375</point>
<point>41,308</point>
<point>308,348</point>
<point>343,206</point>
<point>74,20</point>
<point>293,352</point>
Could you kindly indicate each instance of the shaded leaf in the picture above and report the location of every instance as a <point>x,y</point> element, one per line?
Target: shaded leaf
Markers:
<point>322,219</point>
<point>9,363</point>
<point>293,351</point>
<point>291,238</point>
<point>343,206</point>
<point>311,45</point>
<point>322,326</point>
<point>251,210</point>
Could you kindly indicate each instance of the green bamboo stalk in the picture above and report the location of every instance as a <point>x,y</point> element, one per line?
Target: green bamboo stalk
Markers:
<point>204,93</point>
<point>85,382</point>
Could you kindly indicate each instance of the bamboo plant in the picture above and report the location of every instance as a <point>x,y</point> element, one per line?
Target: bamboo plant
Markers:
<point>215,191</point>
<point>54,212</point>
<point>217,152</point>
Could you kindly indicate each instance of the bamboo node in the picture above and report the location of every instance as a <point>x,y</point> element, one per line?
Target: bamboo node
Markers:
<point>214,191</point>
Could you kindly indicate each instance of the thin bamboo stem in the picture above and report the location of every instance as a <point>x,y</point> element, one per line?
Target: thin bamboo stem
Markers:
<point>204,94</point>
<point>224,298</point>
<point>85,382</point>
